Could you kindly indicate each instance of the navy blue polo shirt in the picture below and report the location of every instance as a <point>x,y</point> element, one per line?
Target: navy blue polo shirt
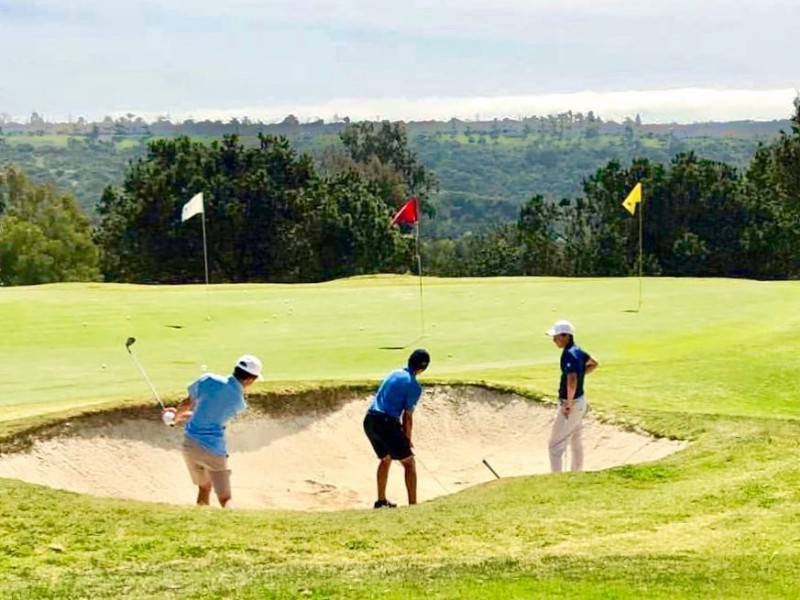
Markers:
<point>573,360</point>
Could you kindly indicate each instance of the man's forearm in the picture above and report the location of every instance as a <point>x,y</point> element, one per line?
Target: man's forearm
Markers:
<point>572,387</point>
<point>591,365</point>
<point>407,426</point>
<point>184,410</point>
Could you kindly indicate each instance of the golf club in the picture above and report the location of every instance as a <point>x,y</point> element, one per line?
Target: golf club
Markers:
<point>436,479</point>
<point>488,466</point>
<point>128,343</point>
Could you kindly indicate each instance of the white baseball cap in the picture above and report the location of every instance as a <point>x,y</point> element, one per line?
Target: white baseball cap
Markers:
<point>250,364</point>
<point>560,327</point>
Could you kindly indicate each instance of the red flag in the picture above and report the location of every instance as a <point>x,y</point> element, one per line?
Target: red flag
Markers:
<point>409,213</point>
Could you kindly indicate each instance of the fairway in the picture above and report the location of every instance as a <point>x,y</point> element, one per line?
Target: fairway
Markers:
<point>355,330</point>
<point>711,362</point>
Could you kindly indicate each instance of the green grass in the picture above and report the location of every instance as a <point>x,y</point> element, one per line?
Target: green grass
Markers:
<point>547,140</point>
<point>712,361</point>
<point>60,140</point>
<point>55,140</point>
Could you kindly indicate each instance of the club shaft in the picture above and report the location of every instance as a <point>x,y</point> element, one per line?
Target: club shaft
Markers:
<point>488,466</point>
<point>146,378</point>
<point>436,479</point>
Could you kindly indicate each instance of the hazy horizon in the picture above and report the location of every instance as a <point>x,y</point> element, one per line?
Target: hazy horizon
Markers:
<point>681,106</point>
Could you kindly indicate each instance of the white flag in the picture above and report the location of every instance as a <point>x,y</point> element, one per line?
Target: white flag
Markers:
<point>192,207</point>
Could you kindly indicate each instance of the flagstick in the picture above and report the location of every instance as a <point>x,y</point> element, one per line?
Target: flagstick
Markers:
<point>419,271</point>
<point>205,261</point>
<point>641,218</point>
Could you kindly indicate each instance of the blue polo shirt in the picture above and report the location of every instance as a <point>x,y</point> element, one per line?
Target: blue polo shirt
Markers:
<point>217,400</point>
<point>573,360</point>
<point>399,392</point>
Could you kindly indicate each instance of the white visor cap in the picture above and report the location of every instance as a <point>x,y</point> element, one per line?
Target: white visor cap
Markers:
<point>560,327</point>
<point>250,364</point>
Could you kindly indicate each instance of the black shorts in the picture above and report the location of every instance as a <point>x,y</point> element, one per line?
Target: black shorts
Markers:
<point>386,436</point>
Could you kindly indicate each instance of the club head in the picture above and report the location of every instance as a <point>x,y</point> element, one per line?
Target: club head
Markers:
<point>129,342</point>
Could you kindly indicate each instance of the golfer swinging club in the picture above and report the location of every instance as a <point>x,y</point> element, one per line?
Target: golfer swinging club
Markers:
<point>389,422</point>
<point>213,400</point>
<point>568,424</point>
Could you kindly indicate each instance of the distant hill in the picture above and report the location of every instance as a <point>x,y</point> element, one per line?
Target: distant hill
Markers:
<point>486,169</point>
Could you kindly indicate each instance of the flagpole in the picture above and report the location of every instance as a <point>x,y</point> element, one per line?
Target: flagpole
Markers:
<point>205,262</point>
<point>630,203</point>
<point>409,213</point>
<point>419,272</point>
<point>641,219</point>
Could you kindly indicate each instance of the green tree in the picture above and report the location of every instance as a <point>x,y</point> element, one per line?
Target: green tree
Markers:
<point>538,229</point>
<point>253,206</point>
<point>44,235</point>
<point>591,125</point>
<point>693,219</point>
<point>772,198</point>
<point>268,215</point>
<point>386,181</point>
<point>601,237</point>
<point>441,257</point>
<point>387,144</point>
<point>696,218</point>
<point>352,233</point>
<point>495,252</point>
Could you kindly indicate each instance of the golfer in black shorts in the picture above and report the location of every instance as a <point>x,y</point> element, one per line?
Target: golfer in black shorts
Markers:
<point>389,422</point>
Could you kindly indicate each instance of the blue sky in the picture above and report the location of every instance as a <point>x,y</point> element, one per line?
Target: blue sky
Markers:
<point>667,59</point>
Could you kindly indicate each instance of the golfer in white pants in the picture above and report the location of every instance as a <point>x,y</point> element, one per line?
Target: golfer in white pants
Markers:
<point>568,423</point>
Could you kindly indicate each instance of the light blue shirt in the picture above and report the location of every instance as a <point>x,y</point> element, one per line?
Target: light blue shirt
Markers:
<point>217,400</point>
<point>399,392</point>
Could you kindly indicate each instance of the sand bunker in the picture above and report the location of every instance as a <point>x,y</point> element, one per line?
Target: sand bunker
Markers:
<point>320,459</point>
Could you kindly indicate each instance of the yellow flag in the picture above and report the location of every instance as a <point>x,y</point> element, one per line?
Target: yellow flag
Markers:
<point>633,199</point>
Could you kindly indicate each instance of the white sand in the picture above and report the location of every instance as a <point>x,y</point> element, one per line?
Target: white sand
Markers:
<point>323,461</point>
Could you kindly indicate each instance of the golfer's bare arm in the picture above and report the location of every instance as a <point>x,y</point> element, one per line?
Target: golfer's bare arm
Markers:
<point>572,387</point>
<point>408,423</point>
<point>591,365</point>
<point>183,411</point>
<point>572,383</point>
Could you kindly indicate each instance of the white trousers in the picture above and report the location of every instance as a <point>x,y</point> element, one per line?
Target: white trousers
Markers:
<point>568,430</point>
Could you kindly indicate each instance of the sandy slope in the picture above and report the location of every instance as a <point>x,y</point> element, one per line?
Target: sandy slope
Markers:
<point>323,461</point>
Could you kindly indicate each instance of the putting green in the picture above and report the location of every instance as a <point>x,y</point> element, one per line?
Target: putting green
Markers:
<point>711,346</point>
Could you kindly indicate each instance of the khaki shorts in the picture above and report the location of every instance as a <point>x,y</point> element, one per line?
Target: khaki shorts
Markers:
<point>207,468</point>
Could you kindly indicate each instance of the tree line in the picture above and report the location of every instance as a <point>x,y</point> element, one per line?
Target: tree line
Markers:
<point>274,214</point>
<point>486,170</point>
<point>45,237</point>
<point>270,213</point>
<point>700,218</point>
